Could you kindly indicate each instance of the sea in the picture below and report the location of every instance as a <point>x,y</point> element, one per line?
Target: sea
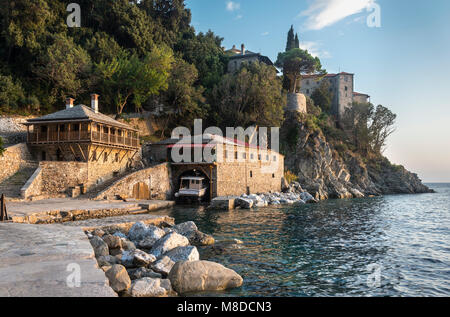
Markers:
<point>395,246</point>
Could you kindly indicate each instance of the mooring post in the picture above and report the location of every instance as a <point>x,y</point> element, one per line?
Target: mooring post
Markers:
<point>4,214</point>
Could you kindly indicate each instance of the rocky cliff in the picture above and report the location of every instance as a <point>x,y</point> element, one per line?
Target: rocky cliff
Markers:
<point>327,173</point>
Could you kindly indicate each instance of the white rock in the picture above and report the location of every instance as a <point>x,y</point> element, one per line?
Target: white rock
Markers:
<point>245,203</point>
<point>150,287</point>
<point>169,242</point>
<point>187,229</point>
<point>150,236</point>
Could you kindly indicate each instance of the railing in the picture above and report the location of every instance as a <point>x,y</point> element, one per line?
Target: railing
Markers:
<point>86,136</point>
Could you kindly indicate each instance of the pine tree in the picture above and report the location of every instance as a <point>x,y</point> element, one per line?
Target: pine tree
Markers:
<point>290,39</point>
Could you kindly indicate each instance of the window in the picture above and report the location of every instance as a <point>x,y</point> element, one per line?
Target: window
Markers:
<point>244,156</point>
<point>251,174</point>
<point>346,88</point>
<point>274,158</point>
<point>226,154</point>
<point>44,129</point>
<point>273,175</point>
<point>252,156</point>
<point>307,82</point>
<point>267,158</point>
<point>44,156</point>
<point>94,156</point>
<point>307,91</point>
<point>259,157</point>
<point>117,157</point>
<point>236,155</point>
<point>105,157</point>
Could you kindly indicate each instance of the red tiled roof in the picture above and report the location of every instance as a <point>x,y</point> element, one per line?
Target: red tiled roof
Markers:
<point>327,75</point>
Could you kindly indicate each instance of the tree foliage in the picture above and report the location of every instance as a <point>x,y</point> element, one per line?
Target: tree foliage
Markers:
<point>128,76</point>
<point>368,127</point>
<point>298,62</point>
<point>322,97</point>
<point>251,96</point>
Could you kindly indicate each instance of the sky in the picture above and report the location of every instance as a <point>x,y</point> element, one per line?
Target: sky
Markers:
<point>402,62</point>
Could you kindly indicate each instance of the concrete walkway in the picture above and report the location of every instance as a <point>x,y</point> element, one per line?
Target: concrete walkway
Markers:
<point>61,210</point>
<point>34,260</point>
<point>62,204</point>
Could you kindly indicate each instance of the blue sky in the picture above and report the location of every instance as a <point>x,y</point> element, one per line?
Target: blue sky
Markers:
<point>404,64</point>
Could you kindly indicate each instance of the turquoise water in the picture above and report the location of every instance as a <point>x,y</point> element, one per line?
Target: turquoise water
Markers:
<point>385,246</point>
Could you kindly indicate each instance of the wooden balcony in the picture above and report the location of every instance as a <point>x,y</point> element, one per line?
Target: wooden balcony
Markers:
<point>99,138</point>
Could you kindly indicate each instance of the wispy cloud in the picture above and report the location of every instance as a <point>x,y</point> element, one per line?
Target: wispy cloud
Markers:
<point>238,17</point>
<point>314,48</point>
<point>265,33</point>
<point>233,6</point>
<point>323,13</point>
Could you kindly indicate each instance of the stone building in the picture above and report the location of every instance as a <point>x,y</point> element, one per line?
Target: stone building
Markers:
<point>81,146</point>
<point>341,87</point>
<point>238,57</point>
<point>243,168</point>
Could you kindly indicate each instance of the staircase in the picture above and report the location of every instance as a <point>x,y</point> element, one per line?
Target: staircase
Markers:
<point>11,187</point>
<point>98,189</point>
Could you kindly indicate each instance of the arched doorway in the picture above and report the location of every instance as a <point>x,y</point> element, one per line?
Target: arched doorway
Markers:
<point>141,191</point>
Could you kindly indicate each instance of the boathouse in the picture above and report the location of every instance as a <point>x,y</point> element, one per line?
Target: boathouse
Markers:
<point>243,168</point>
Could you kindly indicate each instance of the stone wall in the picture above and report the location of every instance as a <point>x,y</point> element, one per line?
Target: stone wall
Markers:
<point>12,130</point>
<point>14,158</point>
<point>235,179</point>
<point>157,179</point>
<point>296,102</point>
<point>58,177</point>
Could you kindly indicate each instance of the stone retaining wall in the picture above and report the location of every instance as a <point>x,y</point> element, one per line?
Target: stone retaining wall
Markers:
<point>57,177</point>
<point>14,158</point>
<point>33,186</point>
<point>158,179</point>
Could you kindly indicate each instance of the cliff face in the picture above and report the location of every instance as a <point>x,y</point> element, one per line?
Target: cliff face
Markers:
<point>325,173</point>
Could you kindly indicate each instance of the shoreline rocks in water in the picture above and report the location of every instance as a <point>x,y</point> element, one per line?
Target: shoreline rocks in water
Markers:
<point>145,271</point>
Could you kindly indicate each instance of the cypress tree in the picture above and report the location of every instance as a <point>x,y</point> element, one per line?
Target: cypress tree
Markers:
<point>297,41</point>
<point>290,39</point>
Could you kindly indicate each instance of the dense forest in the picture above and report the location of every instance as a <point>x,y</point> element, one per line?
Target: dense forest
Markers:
<point>136,54</point>
<point>143,55</point>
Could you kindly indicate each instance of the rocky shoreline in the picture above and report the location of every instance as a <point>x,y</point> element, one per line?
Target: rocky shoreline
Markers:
<point>151,261</point>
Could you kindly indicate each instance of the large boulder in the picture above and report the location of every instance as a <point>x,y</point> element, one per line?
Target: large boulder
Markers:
<point>137,231</point>
<point>187,229</point>
<point>244,203</point>
<point>149,238</point>
<point>198,276</point>
<point>106,260</point>
<point>118,278</point>
<point>169,242</point>
<point>136,258</point>
<point>166,263</point>
<point>113,242</point>
<point>100,246</point>
<point>151,287</point>
<point>136,274</point>
<point>307,198</point>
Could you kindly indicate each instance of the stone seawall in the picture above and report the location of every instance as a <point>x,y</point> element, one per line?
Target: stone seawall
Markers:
<point>57,177</point>
<point>14,158</point>
<point>157,179</point>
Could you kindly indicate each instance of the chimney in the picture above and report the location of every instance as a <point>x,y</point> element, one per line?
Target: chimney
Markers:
<point>69,103</point>
<point>243,49</point>
<point>234,47</point>
<point>94,102</point>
